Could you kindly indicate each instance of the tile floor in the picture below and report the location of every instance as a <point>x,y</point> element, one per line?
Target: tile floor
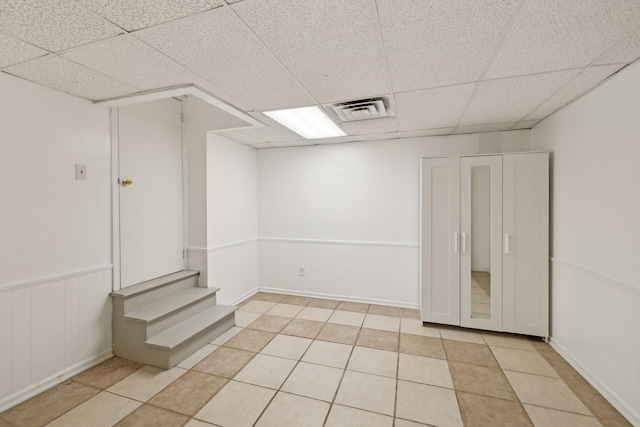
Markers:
<point>295,361</point>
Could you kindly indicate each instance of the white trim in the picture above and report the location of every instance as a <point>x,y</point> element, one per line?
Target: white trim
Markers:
<point>624,286</point>
<point>243,297</point>
<point>223,246</point>
<point>321,295</point>
<point>63,276</point>
<point>623,407</point>
<point>341,242</point>
<point>115,197</point>
<point>172,92</point>
<point>53,380</point>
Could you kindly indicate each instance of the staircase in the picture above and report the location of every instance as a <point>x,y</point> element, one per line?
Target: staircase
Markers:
<point>165,320</point>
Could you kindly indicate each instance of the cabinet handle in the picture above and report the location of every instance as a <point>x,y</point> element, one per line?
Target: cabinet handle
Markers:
<point>506,243</point>
<point>464,243</point>
<point>455,241</point>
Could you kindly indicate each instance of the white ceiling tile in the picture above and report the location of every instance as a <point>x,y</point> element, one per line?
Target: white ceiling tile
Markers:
<point>430,132</point>
<point>441,43</point>
<point>127,59</point>
<point>524,124</point>
<point>273,132</point>
<point>336,140</point>
<point>432,108</point>
<point>509,100</point>
<point>53,25</point>
<point>626,51</point>
<point>553,35</point>
<point>367,127</point>
<point>332,47</point>
<point>261,145</point>
<point>378,137</point>
<point>64,75</point>
<point>292,144</point>
<point>582,83</point>
<point>13,51</point>
<point>494,127</point>
<point>219,48</point>
<point>136,14</point>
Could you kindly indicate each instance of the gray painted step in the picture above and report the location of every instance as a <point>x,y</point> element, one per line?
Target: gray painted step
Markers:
<point>167,306</point>
<point>182,332</point>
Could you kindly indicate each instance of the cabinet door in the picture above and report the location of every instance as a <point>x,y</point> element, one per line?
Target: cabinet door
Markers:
<point>440,259</point>
<point>481,242</point>
<point>526,244</point>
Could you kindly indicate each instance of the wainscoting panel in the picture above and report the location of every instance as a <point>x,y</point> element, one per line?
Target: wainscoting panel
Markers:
<point>51,330</point>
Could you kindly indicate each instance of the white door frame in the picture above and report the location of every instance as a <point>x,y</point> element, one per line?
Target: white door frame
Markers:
<point>115,198</point>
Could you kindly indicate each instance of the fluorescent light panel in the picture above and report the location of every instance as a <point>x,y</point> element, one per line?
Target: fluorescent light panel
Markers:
<point>308,122</point>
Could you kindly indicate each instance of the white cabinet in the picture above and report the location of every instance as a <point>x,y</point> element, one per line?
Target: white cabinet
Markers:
<point>485,238</point>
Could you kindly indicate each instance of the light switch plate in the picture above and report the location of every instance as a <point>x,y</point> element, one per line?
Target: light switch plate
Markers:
<point>81,172</point>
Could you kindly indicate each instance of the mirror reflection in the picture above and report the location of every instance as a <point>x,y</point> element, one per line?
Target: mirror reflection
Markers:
<point>480,242</point>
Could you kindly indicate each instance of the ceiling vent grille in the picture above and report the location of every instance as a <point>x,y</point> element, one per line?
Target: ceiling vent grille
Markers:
<point>361,109</point>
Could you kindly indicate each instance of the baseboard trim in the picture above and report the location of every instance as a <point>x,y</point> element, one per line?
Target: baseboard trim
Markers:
<point>55,278</point>
<point>321,295</point>
<point>629,413</point>
<point>243,297</point>
<point>53,380</point>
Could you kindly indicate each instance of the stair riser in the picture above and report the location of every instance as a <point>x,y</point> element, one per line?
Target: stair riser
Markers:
<point>137,301</point>
<point>128,339</point>
<point>179,316</point>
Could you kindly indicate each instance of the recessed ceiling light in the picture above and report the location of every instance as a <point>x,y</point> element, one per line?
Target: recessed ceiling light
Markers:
<point>308,122</point>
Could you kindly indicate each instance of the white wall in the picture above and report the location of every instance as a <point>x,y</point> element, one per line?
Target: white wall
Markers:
<point>349,214</point>
<point>55,237</point>
<point>232,217</point>
<point>595,217</point>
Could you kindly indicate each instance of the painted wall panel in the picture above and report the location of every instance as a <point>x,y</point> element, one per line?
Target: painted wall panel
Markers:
<point>6,356</point>
<point>21,322</point>
<point>48,329</point>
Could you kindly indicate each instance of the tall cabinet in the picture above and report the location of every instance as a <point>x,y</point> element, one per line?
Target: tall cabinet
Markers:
<point>485,240</point>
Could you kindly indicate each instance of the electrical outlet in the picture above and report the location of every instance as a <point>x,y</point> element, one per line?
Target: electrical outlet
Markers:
<point>301,271</point>
<point>81,172</point>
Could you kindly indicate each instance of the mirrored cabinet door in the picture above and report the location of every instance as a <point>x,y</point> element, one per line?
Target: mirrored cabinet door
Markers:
<point>481,242</point>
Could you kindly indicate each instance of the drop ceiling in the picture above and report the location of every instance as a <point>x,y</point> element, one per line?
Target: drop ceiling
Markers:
<point>448,66</point>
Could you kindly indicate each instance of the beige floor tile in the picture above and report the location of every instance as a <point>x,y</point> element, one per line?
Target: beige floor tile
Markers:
<point>269,323</point>
<point>145,382</point>
<point>188,393</point>
<point>302,328</point>
<point>323,303</point>
<point>368,392</point>
<point>342,416</point>
<point>315,313</point>
<point>197,423</point>
<point>563,368</point>
<point>383,323</point>
<point>476,354</point>
<point>227,336</point>
<point>545,391</point>
<point>266,296</point>
<point>339,333</point>
<point>150,416</point>
<point>523,361</point>
<point>406,423</point>
<point>257,306</point>
<point>484,411</point>
<point>104,409</point>
<point>425,370</point>
<point>421,346</point>
<point>328,353</point>
<point>353,306</point>
<point>544,417</point>
<point>245,318</point>
<point>349,318</point>
<point>459,334</point>
<point>290,410</point>
<point>250,340</point>
<point>266,371</point>
<point>287,346</point>
<point>416,327</point>
<point>296,300</point>
<point>385,310</point>
<point>480,380</point>
<point>427,404</point>
<point>315,381</point>
<point>382,340</point>
<point>608,422</point>
<point>108,372</point>
<point>237,404</point>
<point>49,405</point>
<point>224,362</point>
<point>410,313</point>
<point>285,310</point>
<point>196,357</point>
<point>594,401</point>
<point>373,361</point>
<point>508,340</point>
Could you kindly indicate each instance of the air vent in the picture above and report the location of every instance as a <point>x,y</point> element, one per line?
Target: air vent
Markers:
<point>361,109</point>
